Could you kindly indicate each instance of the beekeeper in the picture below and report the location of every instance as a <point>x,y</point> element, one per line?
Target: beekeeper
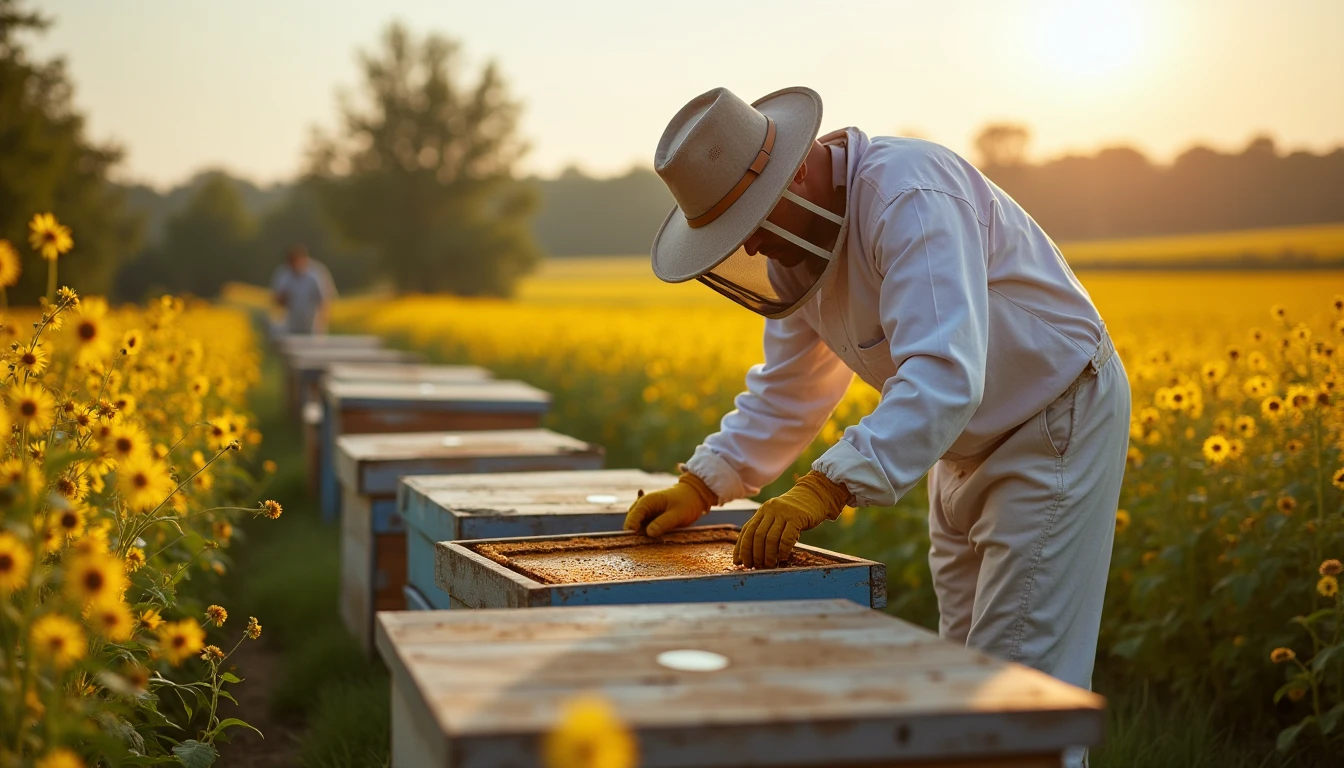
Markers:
<point>896,260</point>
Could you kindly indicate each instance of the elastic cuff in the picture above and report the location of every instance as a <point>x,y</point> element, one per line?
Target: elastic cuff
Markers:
<point>837,494</point>
<point>718,474</point>
<point>843,464</point>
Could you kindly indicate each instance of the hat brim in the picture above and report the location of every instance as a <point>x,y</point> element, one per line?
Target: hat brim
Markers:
<point>681,253</point>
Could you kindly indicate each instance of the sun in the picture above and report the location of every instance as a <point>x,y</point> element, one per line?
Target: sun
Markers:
<point>1092,41</point>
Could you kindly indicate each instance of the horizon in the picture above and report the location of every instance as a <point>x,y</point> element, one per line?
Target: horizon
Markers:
<point>1081,77</point>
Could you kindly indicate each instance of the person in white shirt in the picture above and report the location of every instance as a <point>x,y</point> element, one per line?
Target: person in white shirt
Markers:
<point>896,260</point>
<point>304,287</point>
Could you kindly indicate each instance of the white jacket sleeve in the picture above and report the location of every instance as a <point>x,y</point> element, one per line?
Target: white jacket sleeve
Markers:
<point>787,401</point>
<point>931,251</point>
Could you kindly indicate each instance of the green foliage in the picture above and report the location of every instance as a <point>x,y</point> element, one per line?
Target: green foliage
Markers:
<point>49,165</point>
<point>424,172</point>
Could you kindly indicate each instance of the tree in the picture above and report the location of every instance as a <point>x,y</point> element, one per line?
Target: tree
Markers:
<point>47,165</point>
<point>423,172</point>
<point>204,245</point>
<point>1002,145</point>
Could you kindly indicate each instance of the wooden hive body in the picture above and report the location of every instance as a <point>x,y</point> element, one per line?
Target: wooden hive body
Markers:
<point>369,468</point>
<point>468,507</point>
<point>810,684</point>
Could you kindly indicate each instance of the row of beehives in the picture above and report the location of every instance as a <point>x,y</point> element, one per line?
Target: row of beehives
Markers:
<point>450,495</point>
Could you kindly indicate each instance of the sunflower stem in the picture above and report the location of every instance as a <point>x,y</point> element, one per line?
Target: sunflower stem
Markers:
<point>51,281</point>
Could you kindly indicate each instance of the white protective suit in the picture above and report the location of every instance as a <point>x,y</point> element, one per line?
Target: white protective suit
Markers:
<point>993,364</point>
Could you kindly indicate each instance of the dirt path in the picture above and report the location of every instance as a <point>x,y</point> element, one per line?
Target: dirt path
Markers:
<point>259,668</point>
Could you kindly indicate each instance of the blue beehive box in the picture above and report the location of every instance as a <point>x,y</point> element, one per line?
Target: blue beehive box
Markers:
<point>468,507</point>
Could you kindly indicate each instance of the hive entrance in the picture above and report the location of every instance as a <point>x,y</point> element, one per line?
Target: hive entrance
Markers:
<point>583,559</point>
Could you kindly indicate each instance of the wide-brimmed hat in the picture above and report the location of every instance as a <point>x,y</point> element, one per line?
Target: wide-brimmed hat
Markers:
<point>727,163</point>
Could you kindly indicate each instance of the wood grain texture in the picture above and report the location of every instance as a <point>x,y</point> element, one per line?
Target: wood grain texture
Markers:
<point>479,582</point>
<point>462,507</point>
<point>809,683</point>
<point>373,463</point>
<point>406,372</point>
<point>493,395</point>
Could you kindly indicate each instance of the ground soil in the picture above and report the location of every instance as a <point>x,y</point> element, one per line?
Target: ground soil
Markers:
<point>259,668</point>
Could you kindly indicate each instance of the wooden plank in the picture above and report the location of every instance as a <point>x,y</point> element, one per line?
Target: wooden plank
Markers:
<point>413,408</point>
<point>357,569</point>
<point>373,463</point>
<point>480,582</point>
<point>389,572</point>
<point>406,372</point>
<point>494,396</point>
<point>300,341</point>
<point>808,683</point>
<point>462,507</point>
<point>420,570</point>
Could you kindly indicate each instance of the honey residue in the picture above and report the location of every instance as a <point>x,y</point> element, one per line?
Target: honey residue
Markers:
<point>583,559</point>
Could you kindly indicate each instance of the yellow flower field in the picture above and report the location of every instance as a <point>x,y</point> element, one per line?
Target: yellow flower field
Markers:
<point>125,450</point>
<point>1231,505</point>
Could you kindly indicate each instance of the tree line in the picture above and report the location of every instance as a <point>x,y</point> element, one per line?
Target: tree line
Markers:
<point>417,187</point>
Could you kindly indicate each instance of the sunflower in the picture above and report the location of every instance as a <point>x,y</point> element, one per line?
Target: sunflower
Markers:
<point>1216,449</point>
<point>253,630</point>
<point>150,619</point>
<point>132,342</point>
<point>223,531</point>
<point>200,386</point>
<point>216,615</point>
<point>33,407</point>
<point>1337,479</point>
<point>271,509</point>
<point>95,578</point>
<point>10,267</point>
<point>48,236</point>
<point>68,522</point>
<point>1236,449</point>
<point>143,482</point>
<point>1122,520</point>
<point>58,639</point>
<point>135,559</point>
<point>112,620</point>
<point>1286,504</point>
<point>1272,407</point>
<point>1280,655</point>
<point>31,361</point>
<point>60,758</point>
<point>589,733</point>
<point>212,653</point>
<point>1331,567</point>
<point>1245,426</point>
<point>91,332</point>
<point>1294,447</point>
<point>180,639</point>
<point>73,487</point>
<point>15,563</point>
<point>125,441</point>
<point>1328,586</point>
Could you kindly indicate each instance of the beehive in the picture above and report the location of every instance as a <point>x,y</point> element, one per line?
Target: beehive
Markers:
<point>469,507</point>
<point>368,467</point>
<point>810,684</point>
<point>362,407</point>
<point>411,373</point>
<point>308,365</point>
<point>683,566</point>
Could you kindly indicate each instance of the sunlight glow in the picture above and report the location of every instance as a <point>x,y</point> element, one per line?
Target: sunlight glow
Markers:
<point>1092,41</point>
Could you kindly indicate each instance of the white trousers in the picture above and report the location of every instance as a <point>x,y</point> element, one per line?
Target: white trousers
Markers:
<point>1021,536</point>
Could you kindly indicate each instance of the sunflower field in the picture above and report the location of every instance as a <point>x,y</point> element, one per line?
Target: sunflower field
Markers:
<point>1224,579</point>
<point>127,458</point>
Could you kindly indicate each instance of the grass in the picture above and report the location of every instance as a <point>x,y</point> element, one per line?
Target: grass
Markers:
<point>289,577</point>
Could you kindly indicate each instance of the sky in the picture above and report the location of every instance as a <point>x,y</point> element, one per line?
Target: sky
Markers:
<point>184,85</point>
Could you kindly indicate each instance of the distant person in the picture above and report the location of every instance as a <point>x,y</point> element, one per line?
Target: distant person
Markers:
<point>304,288</point>
<point>897,260</point>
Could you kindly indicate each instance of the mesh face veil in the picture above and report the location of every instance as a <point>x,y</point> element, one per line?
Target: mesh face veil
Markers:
<point>774,287</point>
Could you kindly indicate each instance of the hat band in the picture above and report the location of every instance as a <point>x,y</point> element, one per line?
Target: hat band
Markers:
<point>757,166</point>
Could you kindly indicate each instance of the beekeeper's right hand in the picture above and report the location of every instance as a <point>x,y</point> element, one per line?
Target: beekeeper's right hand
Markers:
<point>681,505</point>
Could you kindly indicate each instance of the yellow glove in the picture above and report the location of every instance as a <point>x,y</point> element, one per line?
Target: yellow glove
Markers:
<point>661,511</point>
<point>769,536</point>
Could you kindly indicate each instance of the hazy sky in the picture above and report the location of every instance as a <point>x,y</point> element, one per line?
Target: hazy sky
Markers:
<point>184,84</point>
